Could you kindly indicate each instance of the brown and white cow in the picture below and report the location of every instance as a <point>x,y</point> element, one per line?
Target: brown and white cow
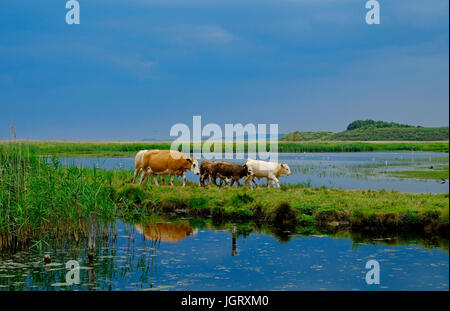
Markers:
<point>270,170</point>
<point>138,163</point>
<point>167,162</point>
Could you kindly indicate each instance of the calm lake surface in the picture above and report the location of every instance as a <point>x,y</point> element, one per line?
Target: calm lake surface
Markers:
<point>345,170</point>
<point>186,256</point>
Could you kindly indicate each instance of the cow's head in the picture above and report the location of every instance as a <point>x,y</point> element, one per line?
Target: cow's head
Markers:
<point>285,170</point>
<point>195,168</point>
<point>248,171</point>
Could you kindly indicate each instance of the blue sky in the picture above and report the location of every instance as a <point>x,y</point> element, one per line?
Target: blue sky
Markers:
<point>134,68</point>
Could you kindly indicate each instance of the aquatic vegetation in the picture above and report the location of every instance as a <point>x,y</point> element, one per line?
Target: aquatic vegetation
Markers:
<point>439,173</point>
<point>40,198</point>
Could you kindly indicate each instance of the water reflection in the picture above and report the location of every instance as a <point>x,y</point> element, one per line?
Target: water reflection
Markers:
<point>167,232</point>
<point>199,255</point>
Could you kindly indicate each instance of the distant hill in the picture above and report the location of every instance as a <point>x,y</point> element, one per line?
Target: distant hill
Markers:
<point>370,130</point>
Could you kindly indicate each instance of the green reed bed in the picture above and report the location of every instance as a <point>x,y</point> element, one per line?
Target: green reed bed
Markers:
<point>40,198</point>
<point>117,149</point>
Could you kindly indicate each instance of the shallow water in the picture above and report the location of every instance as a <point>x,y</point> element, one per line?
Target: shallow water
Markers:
<point>183,256</point>
<point>345,170</point>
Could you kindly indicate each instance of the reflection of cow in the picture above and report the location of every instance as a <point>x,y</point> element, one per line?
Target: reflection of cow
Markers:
<point>167,232</point>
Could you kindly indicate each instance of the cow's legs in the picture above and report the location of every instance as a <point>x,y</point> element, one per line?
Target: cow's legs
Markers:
<point>171,180</point>
<point>184,179</point>
<point>224,180</point>
<point>231,183</point>
<point>202,179</point>
<point>253,180</point>
<point>274,180</point>
<point>248,181</point>
<point>214,179</point>
<point>136,173</point>
<point>162,179</point>
<point>238,184</point>
<point>143,175</point>
<point>155,179</point>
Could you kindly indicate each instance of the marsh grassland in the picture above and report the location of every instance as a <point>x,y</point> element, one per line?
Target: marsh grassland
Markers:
<point>41,199</point>
<point>127,149</point>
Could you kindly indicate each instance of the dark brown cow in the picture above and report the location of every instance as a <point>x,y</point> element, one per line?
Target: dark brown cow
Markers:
<point>205,172</point>
<point>229,170</point>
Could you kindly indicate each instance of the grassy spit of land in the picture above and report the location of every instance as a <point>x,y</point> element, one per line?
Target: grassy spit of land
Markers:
<point>439,173</point>
<point>43,199</point>
<point>127,149</point>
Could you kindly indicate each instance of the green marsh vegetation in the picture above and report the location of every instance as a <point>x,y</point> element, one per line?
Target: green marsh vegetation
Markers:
<point>40,199</point>
<point>436,169</point>
<point>129,149</point>
<point>438,173</point>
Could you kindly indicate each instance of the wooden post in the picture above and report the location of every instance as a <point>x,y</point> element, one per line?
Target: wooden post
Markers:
<point>233,248</point>
<point>92,234</point>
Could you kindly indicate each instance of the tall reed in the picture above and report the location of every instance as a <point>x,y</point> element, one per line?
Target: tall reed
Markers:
<point>39,197</point>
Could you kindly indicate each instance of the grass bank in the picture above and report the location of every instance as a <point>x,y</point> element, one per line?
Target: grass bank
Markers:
<point>42,199</point>
<point>128,149</point>
<point>438,173</point>
<point>295,205</point>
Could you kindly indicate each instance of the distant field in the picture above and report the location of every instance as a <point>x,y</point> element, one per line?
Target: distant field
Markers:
<point>124,149</point>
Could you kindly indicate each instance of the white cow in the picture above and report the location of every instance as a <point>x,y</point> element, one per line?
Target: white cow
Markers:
<point>270,170</point>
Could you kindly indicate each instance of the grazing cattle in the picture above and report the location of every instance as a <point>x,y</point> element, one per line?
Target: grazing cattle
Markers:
<point>205,172</point>
<point>167,162</point>
<point>229,170</point>
<point>270,170</point>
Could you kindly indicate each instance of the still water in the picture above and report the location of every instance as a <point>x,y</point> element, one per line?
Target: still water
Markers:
<point>345,170</point>
<point>189,255</point>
